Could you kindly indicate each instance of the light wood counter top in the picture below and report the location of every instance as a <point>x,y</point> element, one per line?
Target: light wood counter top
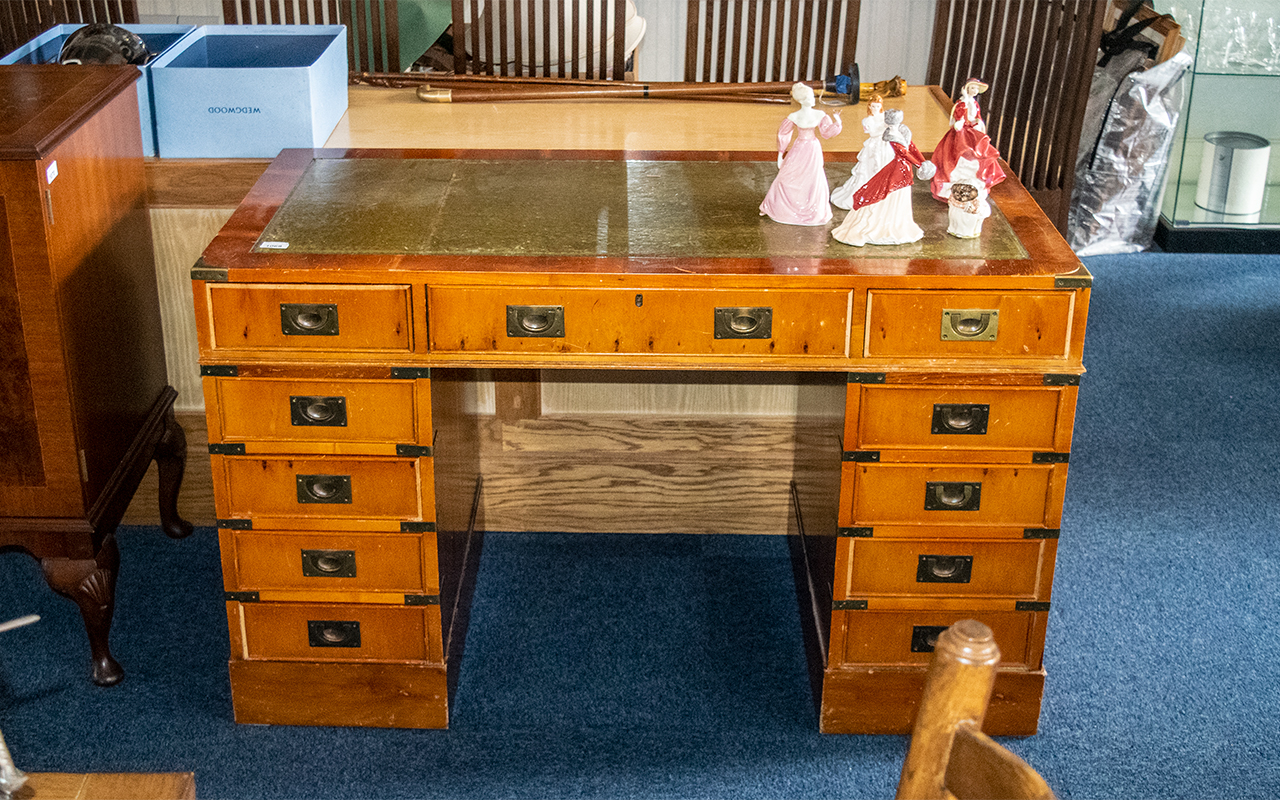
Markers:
<point>108,786</point>
<point>379,117</point>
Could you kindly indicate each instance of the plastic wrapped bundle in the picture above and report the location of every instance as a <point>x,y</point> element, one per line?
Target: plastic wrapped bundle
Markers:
<point>1128,132</point>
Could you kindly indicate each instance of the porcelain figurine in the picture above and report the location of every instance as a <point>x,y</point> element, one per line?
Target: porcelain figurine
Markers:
<point>967,205</point>
<point>799,194</point>
<point>875,153</point>
<point>967,133</point>
<point>882,207</point>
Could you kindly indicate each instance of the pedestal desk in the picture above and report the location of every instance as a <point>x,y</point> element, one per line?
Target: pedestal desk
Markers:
<point>352,291</point>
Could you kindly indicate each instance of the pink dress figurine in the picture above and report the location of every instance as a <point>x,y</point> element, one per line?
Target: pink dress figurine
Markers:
<point>799,194</point>
<point>875,153</point>
<point>967,133</point>
<point>882,207</point>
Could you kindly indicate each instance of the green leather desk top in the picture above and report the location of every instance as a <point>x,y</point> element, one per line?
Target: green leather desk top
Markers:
<point>531,207</point>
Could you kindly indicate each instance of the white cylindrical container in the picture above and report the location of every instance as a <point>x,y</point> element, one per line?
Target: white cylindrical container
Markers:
<point>1233,172</point>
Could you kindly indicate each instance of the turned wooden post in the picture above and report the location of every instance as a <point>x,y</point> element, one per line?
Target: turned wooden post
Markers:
<point>957,689</point>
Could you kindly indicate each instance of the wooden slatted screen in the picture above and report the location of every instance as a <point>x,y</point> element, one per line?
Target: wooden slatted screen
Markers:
<point>373,26</point>
<point>1038,58</point>
<point>551,38</point>
<point>769,40</point>
<point>23,20</point>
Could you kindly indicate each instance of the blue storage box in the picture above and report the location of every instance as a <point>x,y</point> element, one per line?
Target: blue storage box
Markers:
<point>44,49</point>
<point>248,91</point>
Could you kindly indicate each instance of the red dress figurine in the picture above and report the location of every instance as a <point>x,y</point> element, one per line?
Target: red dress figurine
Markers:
<point>882,206</point>
<point>967,133</point>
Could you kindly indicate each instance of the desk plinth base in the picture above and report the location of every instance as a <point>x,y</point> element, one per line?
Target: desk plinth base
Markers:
<point>364,695</point>
<point>884,700</point>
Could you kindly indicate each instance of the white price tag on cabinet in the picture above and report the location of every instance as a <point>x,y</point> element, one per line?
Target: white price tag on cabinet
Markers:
<point>51,172</point>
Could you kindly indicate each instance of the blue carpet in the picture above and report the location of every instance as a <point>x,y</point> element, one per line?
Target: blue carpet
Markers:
<point>672,666</point>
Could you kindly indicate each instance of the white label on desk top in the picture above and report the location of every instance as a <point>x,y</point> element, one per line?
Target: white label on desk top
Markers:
<point>274,245</point>
<point>51,172</point>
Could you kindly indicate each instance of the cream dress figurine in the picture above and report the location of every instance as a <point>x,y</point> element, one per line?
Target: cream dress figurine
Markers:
<point>800,194</point>
<point>967,204</point>
<point>882,207</point>
<point>875,153</point>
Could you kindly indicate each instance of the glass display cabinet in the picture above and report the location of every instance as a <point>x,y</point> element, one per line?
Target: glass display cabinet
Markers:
<point>1223,189</point>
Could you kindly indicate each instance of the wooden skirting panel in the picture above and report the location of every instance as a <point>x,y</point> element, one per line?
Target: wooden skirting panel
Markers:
<point>610,474</point>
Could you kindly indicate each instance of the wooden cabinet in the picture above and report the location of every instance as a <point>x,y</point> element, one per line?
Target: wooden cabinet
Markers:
<point>346,480</point>
<point>84,406</point>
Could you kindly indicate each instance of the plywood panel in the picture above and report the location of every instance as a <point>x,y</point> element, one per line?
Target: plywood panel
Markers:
<point>179,236</point>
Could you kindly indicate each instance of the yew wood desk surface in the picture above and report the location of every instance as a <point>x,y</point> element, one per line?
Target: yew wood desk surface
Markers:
<point>510,218</point>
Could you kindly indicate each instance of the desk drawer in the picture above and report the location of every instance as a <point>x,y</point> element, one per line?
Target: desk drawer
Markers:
<point>862,637</point>
<point>336,632</point>
<point>921,324</point>
<point>1009,568</point>
<point>603,321</point>
<point>265,561</point>
<point>1026,495</point>
<point>261,410</point>
<point>331,318</point>
<point>884,417</point>
<point>293,488</point>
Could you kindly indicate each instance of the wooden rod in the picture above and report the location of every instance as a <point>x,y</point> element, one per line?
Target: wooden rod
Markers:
<point>429,94</point>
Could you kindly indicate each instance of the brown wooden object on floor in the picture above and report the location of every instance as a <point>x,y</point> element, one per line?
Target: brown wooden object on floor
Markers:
<point>108,786</point>
<point>373,28</point>
<point>1038,58</point>
<point>949,756</point>
<point>548,38</point>
<point>83,403</point>
<point>23,20</point>
<point>770,40</point>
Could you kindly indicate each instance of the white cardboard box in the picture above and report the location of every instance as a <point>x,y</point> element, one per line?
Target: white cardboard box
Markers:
<point>249,91</point>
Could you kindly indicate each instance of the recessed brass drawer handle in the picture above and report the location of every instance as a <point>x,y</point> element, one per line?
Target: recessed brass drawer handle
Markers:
<point>309,319</point>
<point>329,563</point>
<point>970,324</point>
<point>944,569</point>
<point>960,418</point>
<point>325,412</point>
<point>333,633</point>
<point>330,489</point>
<point>545,322</point>
<point>952,496</point>
<point>744,323</point>
<point>925,637</point>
